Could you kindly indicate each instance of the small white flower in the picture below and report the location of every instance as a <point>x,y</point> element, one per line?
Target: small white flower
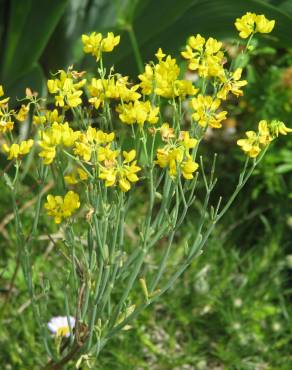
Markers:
<point>59,325</point>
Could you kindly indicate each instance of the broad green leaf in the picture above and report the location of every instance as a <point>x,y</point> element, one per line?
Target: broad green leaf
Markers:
<point>169,24</point>
<point>34,79</point>
<point>31,23</point>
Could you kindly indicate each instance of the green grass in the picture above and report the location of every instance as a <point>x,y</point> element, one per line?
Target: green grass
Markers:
<point>229,311</point>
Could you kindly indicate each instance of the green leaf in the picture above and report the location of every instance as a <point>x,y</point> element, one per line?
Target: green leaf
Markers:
<point>170,23</point>
<point>33,78</point>
<point>31,23</point>
<point>284,168</point>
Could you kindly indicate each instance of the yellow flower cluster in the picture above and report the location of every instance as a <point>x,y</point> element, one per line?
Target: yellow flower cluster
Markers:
<point>76,176</point>
<point>116,87</point>
<point>162,79</point>
<point>21,115</point>
<point>205,57</point>
<point>66,88</point>
<point>138,112</point>
<point>16,150</point>
<point>112,172</point>
<point>91,154</point>
<point>47,117</point>
<point>95,44</point>
<point>57,134</point>
<point>62,207</point>
<point>256,141</point>
<point>206,111</point>
<point>176,153</point>
<point>231,83</point>
<point>6,123</point>
<point>91,141</point>
<point>251,23</point>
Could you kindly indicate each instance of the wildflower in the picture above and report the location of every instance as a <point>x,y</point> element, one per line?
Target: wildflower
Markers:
<point>203,56</point>
<point>59,207</point>
<point>188,168</point>
<point>17,150</point>
<point>166,132</point>
<point>5,123</point>
<point>263,25</point>
<point>246,25</point>
<point>59,325</point>
<point>91,141</point>
<point>4,101</point>
<point>264,133</point>
<point>109,42</point>
<point>95,44</point>
<point>22,113</point>
<point>162,79</point>
<point>176,154</point>
<point>57,134</point>
<point>251,23</point>
<point>67,89</point>
<point>49,117</point>
<point>121,174</point>
<point>78,175</point>
<point>205,108</point>
<point>231,83</point>
<point>116,87</point>
<point>256,141</point>
<point>278,127</point>
<point>138,112</point>
<point>250,145</point>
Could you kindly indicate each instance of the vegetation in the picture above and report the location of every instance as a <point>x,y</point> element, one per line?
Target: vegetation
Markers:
<point>98,218</point>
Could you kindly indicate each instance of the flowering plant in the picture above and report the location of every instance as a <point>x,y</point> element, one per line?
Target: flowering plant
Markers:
<point>104,144</point>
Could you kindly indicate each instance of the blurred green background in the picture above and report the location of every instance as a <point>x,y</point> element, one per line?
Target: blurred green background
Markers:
<point>232,309</point>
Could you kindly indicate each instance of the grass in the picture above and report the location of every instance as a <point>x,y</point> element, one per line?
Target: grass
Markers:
<point>230,310</point>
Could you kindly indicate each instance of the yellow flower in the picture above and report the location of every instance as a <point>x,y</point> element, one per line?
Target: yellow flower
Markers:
<point>278,127</point>
<point>187,141</point>
<point>83,150</point>
<point>17,150</point>
<point>49,117</point>
<point>205,108</point>
<point>251,23</point>
<point>263,25</point>
<point>160,54</point>
<point>90,141</point>
<point>57,134</point>
<point>59,207</point>
<point>267,131</point>
<point>109,42</point>
<point>95,44</point>
<point>138,112</point>
<point>231,83</point>
<point>67,87</point>
<point>162,79</point>
<point>5,124</point>
<point>166,132</point>
<point>78,175</point>
<point>204,56</point>
<point>188,168</point>
<point>121,174</point>
<point>3,102</point>
<point>264,133</point>
<point>38,120</point>
<point>246,25</point>
<point>176,154</point>
<point>116,87</point>
<point>22,113</point>
<point>251,145</point>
